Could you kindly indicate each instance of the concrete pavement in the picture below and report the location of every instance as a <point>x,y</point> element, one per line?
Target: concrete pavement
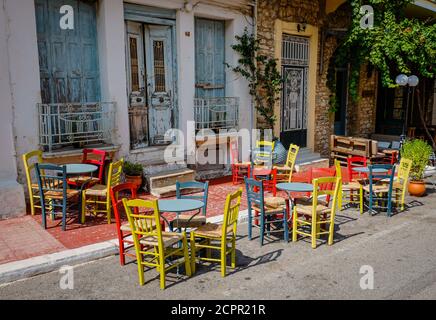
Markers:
<point>400,250</point>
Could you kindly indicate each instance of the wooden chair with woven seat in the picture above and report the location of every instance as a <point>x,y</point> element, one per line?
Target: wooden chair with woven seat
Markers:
<point>184,191</point>
<point>284,172</point>
<point>239,169</point>
<point>98,196</point>
<point>378,191</point>
<point>400,182</point>
<point>273,213</point>
<point>29,160</point>
<point>54,192</point>
<point>217,237</point>
<point>316,217</point>
<point>90,156</point>
<point>264,153</point>
<point>349,189</point>
<point>154,247</point>
<point>352,189</point>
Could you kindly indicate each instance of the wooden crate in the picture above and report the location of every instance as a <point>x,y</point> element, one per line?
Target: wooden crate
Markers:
<point>343,147</point>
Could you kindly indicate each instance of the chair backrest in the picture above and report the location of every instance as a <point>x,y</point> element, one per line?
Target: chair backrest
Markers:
<point>114,175</point>
<point>334,192</point>
<point>51,178</point>
<point>292,157</point>
<point>376,178</point>
<point>234,151</point>
<point>143,224</point>
<point>316,173</point>
<point>117,203</point>
<point>199,187</point>
<point>355,162</point>
<point>404,169</point>
<point>338,168</point>
<point>264,152</point>
<point>29,160</point>
<point>96,157</point>
<point>231,211</point>
<point>255,195</point>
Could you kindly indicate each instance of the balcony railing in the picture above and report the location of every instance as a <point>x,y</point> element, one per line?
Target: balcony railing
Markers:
<point>75,124</point>
<point>216,113</point>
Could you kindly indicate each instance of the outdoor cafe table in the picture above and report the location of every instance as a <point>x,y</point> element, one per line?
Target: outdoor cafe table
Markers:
<point>177,206</point>
<point>289,187</point>
<point>366,170</point>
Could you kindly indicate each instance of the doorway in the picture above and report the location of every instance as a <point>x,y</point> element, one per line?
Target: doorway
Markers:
<point>342,97</point>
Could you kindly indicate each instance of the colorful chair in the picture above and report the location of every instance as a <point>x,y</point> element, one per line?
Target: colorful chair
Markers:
<point>90,156</point>
<point>98,196</point>
<point>189,220</point>
<point>268,212</point>
<point>154,247</point>
<point>29,160</point>
<point>213,236</point>
<point>317,219</point>
<point>53,187</point>
<point>239,169</point>
<point>352,189</point>
<point>400,182</point>
<point>263,156</point>
<point>123,230</point>
<point>268,177</point>
<point>378,190</point>
<point>284,172</point>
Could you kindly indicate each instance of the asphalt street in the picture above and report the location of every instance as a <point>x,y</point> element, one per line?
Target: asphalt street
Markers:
<point>399,251</point>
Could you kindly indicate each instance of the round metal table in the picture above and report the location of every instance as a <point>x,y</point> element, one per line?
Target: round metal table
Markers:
<point>80,168</point>
<point>366,170</point>
<point>289,187</point>
<point>179,205</point>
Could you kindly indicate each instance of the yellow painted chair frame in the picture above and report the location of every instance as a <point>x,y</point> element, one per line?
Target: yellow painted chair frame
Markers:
<point>284,172</point>
<point>315,219</point>
<point>202,239</point>
<point>347,190</point>
<point>260,157</point>
<point>93,195</point>
<point>152,245</point>
<point>32,187</point>
<point>400,183</point>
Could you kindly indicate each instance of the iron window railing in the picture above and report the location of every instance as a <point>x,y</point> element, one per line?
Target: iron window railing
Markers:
<point>75,124</point>
<point>216,113</point>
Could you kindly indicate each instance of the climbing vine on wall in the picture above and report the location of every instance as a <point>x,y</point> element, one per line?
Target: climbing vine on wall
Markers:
<point>264,79</point>
<point>395,44</point>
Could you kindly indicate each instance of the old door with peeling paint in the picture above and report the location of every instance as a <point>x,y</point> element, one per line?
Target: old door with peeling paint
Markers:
<point>68,58</point>
<point>160,84</point>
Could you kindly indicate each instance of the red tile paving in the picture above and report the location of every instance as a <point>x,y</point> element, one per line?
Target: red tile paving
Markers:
<point>22,238</point>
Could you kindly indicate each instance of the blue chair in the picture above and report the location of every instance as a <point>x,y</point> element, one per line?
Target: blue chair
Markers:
<point>53,188</point>
<point>378,189</point>
<point>196,191</point>
<point>267,214</point>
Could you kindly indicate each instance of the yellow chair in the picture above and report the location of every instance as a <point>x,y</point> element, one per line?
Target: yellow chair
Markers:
<point>400,182</point>
<point>320,219</point>
<point>221,234</point>
<point>99,195</point>
<point>348,190</point>
<point>284,172</point>
<point>153,246</point>
<point>30,159</point>
<point>264,154</point>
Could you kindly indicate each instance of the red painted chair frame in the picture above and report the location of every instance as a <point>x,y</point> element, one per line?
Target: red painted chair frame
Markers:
<point>268,185</point>
<point>239,170</point>
<point>98,162</point>
<point>356,162</point>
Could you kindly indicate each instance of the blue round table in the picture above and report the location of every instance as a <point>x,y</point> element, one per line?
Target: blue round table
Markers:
<point>366,170</point>
<point>80,168</point>
<point>294,187</point>
<point>179,205</point>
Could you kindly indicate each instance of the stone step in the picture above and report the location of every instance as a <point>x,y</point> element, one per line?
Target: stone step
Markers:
<point>316,163</point>
<point>169,178</point>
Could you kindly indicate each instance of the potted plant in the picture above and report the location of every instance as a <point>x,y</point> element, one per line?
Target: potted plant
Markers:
<point>419,152</point>
<point>133,173</point>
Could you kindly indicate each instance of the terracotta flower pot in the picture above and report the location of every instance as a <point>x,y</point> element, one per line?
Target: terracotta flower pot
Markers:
<point>416,188</point>
<point>136,180</point>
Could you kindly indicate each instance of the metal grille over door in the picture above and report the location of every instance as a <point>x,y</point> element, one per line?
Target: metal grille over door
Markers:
<point>295,63</point>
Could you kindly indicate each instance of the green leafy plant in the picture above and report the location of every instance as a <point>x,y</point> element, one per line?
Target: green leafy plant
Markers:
<point>264,79</point>
<point>419,152</point>
<point>395,44</point>
<point>132,169</point>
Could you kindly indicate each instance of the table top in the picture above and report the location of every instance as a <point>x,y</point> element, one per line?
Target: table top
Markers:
<point>179,205</point>
<point>366,170</point>
<point>79,168</point>
<point>295,186</point>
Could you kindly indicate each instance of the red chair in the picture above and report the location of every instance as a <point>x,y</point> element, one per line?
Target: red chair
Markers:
<point>315,173</point>
<point>268,178</point>
<point>355,162</point>
<point>91,156</point>
<point>239,169</point>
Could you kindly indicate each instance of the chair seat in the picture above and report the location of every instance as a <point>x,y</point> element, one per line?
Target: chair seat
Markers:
<point>268,209</point>
<point>59,194</point>
<point>352,185</point>
<point>282,167</point>
<point>186,220</point>
<point>212,230</point>
<point>126,227</point>
<point>97,190</point>
<point>82,179</point>
<point>274,202</point>
<point>169,239</point>
<point>242,164</point>
<point>377,188</point>
<point>305,201</point>
<point>307,209</point>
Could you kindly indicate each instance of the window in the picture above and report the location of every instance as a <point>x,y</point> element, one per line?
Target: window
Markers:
<point>159,66</point>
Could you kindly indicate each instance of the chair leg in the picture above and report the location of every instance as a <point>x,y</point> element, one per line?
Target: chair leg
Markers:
<point>193,253</point>
<point>64,215</point>
<point>314,229</point>
<point>285,227</point>
<point>32,204</point>
<point>250,224</point>
<point>108,210</point>
<point>233,256</point>
<point>44,215</point>
<point>223,257</point>
<point>361,200</point>
<point>162,270</point>
<point>294,225</point>
<point>83,206</point>
<point>262,229</point>
<point>121,247</point>
<point>186,256</point>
